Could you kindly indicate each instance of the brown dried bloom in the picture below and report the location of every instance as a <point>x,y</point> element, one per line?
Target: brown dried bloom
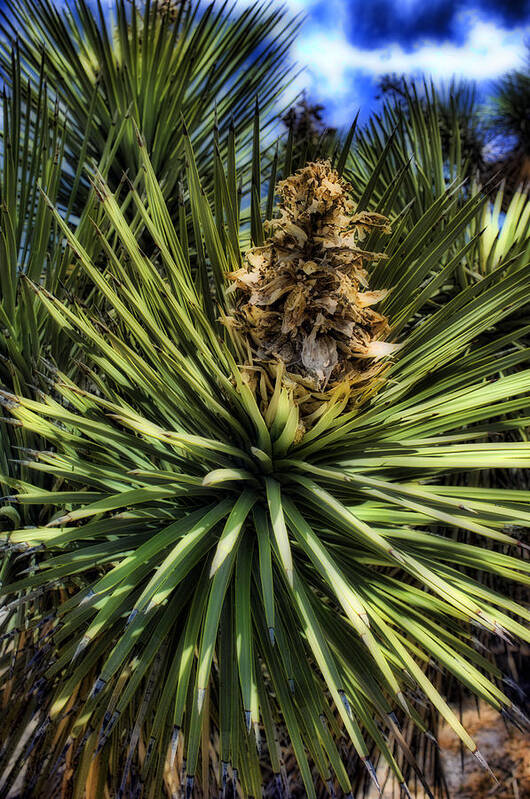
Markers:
<point>303,297</point>
<point>172,8</point>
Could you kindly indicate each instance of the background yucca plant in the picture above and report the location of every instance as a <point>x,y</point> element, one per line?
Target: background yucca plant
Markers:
<point>508,119</point>
<point>221,571</point>
<point>409,133</point>
<point>159,63</point>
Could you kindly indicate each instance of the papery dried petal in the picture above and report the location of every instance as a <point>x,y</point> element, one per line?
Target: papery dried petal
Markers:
<point>319,355</point>
<point>366,298</point>
<point>380,349</point>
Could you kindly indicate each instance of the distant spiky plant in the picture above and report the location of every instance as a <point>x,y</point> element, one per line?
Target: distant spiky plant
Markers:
<point>215,569</point>
<point>510,109</point>
<point>456,105</point>
<point>509,122</point>
<point>423,141</point>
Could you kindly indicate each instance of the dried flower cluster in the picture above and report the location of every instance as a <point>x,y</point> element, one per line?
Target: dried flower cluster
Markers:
<point>303,297</point>
<point>172,8</point>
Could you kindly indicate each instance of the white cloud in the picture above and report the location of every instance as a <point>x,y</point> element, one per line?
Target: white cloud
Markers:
<point>485,52</point>
<point>337,70</point>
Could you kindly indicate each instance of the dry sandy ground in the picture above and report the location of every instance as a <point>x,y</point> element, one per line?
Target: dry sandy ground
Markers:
<point>506,750</point>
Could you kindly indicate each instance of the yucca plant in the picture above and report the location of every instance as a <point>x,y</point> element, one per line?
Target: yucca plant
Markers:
<point>158,62</point>
<point>259,496</point>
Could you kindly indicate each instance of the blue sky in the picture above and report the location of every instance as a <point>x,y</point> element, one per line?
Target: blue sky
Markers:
<point>346,45</point>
